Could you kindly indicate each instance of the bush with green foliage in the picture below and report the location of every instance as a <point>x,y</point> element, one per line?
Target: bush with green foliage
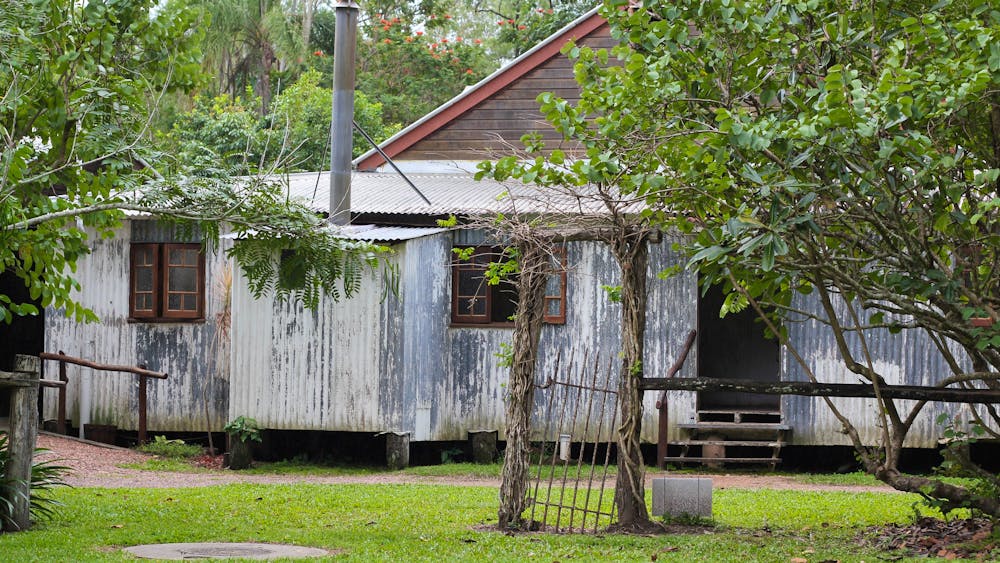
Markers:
<point>244,429</point>
<point>45,476</point>
<point>173,449</point>
<point>219,135</point>
<point>300,118</point>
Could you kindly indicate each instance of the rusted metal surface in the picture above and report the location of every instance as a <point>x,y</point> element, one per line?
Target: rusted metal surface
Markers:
<point>907,358</point>
<point>314,370</point>
<point>376,364</point>
<point>566,488</point>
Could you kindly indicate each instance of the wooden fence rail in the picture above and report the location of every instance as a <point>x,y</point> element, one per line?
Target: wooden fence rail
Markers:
<point>140,371</point>
<point>820,389</point>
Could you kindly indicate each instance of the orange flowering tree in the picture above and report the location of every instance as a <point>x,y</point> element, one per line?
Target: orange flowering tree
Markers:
<point>412,66</point>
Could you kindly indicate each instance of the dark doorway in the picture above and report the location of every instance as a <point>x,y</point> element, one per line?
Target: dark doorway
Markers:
<point>734,347</point>
<point>24,335</point>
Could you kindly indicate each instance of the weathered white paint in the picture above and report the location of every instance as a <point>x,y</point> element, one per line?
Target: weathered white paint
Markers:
<point>297,369</point>
<point>904,358</point>
<point>370,364</point>
<point>183,350</point>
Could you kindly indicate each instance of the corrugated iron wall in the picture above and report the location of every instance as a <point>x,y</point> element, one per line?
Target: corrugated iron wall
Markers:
<point>183,350</point>
<point>372,364</point>
<point>471,394</point>
<point>908,357</point>
<point>328,369</point>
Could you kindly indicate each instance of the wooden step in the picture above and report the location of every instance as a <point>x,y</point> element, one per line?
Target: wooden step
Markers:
<point>740,443</point>
<point>722,459</point>
<point>739,416</point>
<point>724,426</point>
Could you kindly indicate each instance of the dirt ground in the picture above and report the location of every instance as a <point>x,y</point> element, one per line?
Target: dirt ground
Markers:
<point>99,465</point>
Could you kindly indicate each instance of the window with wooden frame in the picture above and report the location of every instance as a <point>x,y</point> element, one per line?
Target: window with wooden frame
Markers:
<point>475,302</point>
<point>167,282</point>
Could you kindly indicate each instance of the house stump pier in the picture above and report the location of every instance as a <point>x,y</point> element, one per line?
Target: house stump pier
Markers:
<point>23,432</point>
<point>484,445</point>
<point>397,450</point>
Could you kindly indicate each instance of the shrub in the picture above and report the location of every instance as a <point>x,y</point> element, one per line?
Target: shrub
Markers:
<point>244,429</point>
<point>173,449</point>
<point>45,476</point>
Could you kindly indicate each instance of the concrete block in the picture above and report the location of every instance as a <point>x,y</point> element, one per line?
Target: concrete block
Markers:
<point>677,496</point>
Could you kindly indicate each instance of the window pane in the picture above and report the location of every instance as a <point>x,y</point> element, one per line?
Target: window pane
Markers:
<point>552,307</point>
<point>553,283</point>
<point>189,302</point>
<point>143,256</point>
<point>183,257</point>
<point>144,279</point>
<point>504,303</point>
<point>143,302</point>
<point>472,306</point>
<point>470,282</point>
<point>174,302</point>
<point>183,279</point>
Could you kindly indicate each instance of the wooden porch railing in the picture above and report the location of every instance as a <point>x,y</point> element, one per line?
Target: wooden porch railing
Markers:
<point>139,371</point>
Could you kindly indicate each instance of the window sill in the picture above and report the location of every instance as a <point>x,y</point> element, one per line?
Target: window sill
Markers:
<point>161,320</point>
<point>497,325</point>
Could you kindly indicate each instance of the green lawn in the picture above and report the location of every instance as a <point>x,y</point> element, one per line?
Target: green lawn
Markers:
<point>433,523</point>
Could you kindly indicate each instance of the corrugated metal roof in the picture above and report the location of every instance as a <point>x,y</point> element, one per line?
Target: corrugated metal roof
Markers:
<point>377,233</point>
<point>371,232</point>
<point>459,194</point>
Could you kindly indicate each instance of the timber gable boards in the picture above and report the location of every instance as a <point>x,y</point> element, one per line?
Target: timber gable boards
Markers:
<point>495,124</point>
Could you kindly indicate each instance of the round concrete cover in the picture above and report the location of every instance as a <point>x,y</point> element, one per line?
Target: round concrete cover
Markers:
<point>179,551</point>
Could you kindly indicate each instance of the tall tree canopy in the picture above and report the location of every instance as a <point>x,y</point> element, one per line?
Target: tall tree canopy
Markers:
<point>849,151</point>
<point>80,87</point>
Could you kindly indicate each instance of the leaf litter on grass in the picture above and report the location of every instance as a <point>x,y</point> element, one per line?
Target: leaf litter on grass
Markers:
<point>949,539</point>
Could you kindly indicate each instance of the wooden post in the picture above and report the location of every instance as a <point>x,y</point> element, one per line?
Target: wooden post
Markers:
<point>663,428</point>
<point>21,439</point>
<point>142,407</point>
<point>397,450</point>
<point>61,414</point>
<point>663,406</point>
<point>484,445</point>
<point>240,453</point>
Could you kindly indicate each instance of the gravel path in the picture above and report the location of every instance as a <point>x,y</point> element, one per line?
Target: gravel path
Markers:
<point>99,465</point>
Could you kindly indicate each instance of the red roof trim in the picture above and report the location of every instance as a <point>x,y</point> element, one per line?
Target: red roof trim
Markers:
<point>463,104</point>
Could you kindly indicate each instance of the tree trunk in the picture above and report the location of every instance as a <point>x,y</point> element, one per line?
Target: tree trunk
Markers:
<point>995,130</point>
<point>632,255</point>
<point>240,454</point>
<point>950,496</point>
<point>264,81</point>
<point>534,263</point>
<point>308,9</point>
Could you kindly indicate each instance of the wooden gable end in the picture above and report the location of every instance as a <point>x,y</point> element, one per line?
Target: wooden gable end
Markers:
<point>488,121</point>
<point>498,122</point>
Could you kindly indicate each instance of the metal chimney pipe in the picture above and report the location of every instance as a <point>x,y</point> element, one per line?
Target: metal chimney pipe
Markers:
<point>341,128</point>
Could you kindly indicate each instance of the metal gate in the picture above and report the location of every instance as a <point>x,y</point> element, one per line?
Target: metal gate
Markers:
<point>572,489</point>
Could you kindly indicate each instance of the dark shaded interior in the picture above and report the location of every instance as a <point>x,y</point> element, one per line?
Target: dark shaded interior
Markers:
<point>24,335</point>
<point>734,347</point>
